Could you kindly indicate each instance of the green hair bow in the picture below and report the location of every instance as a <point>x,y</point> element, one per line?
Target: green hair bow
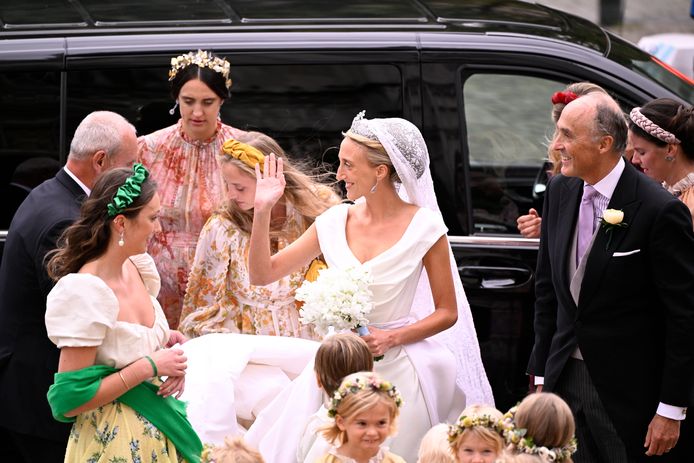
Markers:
<point>128,191</point>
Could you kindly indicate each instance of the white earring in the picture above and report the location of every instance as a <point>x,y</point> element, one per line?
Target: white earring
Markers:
<point>373,188</point>
<point>121,241</point>
<point>173,110</point>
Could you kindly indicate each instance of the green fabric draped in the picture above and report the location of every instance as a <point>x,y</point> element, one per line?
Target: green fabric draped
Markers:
<point>72,389</point>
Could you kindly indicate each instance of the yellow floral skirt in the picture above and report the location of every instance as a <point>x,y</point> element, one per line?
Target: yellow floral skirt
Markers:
<point>115,433</point>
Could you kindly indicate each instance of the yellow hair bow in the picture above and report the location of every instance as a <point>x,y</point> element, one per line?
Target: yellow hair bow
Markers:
<point>245,153</point>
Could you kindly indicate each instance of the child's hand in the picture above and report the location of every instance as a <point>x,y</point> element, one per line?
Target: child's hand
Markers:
<point>173,386</point>
<point>170,362</point>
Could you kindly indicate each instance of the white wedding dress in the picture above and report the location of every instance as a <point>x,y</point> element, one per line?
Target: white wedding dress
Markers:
<point>424,372</point>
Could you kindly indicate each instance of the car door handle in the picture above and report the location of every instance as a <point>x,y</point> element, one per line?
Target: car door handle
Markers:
<point>487,277</point>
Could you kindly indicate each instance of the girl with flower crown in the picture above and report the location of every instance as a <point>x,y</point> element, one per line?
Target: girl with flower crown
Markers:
<point>477,436</point>
<point>183,160</point>
<point>365,409</point>
<point>542,425</point>
<point>112,334</point>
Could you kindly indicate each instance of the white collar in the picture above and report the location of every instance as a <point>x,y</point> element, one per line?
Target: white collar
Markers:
<point>84,187</point>
<point>608,183</point>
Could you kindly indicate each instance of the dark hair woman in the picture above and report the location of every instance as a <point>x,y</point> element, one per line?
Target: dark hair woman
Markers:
<point>112,334</point>
<point>183,160</point>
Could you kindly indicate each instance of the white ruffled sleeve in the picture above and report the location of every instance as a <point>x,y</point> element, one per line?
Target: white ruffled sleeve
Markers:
<point>79,310</point>
<point>149,273</point>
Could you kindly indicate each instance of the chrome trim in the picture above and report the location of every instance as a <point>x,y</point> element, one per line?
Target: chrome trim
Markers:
<point>3,235</point>
<point>498,242</point>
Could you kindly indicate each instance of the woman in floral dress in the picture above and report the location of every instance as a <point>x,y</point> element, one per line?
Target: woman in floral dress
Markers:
<point>112,334</point>
<point>182,159</point>
<point>662,134</point>
<point>220,298</point>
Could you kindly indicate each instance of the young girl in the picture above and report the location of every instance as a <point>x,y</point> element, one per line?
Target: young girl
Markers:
<point>220,297</point>
<point>478,435</point>
<point>434,447</point>
<point>365,408</point>
<point>339,355</point>
<point>233,451</point>
<point>543,426</point>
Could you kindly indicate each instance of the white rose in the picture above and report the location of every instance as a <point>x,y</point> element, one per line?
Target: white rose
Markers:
<point>613,216</point>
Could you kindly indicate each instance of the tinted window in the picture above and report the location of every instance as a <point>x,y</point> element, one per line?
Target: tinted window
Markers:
<point>508,126</point>
<point>29,135</point>
<point>305,107</point>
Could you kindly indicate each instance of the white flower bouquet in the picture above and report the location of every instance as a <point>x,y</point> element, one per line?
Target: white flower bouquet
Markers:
<point>340,299</point>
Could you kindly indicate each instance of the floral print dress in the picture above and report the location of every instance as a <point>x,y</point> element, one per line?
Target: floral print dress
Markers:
<point>191,187</point>
<point>220,298</point>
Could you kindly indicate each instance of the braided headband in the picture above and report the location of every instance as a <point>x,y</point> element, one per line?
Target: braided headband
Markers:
<point>245,153</point>
<point>563,97</point>
<point>128,191</point>
<point>201,59</point>
<point>363,383</point>
<point>525,444</point>
<point>652,128</point>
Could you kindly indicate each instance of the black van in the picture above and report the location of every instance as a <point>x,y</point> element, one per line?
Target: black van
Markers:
<point>475,76</point>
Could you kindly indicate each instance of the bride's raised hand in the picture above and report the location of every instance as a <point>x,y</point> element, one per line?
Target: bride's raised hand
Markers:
<point>270,183</point>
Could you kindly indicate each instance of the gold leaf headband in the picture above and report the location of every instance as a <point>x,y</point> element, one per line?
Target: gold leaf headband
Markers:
<point>202,59</point>
<point>245,153</point>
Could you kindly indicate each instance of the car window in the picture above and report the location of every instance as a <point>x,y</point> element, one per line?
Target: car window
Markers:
<point>508,126</point>
<point>305,107</point>
<point>29,135</point>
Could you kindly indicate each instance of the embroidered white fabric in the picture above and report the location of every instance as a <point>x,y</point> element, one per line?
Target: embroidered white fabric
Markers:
<point>407,150</point>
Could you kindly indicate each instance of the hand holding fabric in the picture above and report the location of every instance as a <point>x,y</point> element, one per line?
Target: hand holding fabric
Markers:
<point>170,362</point>
<point>379,341</point>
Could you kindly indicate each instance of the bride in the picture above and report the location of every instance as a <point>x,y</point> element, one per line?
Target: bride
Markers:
<point>421,320</point>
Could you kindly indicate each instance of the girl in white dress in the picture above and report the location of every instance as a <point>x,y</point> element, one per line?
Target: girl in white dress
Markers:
<point>399,235</point>
<point>112,333</point>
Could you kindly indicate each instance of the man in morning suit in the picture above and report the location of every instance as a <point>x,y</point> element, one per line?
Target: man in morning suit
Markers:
<point>28,359</point>
<point>614,313</point>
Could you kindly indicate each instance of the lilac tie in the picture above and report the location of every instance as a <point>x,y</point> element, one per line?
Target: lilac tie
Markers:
<point>586,221</point>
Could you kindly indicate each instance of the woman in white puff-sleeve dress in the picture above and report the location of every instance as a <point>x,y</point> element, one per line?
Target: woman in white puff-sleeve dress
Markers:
<point>104,316</point>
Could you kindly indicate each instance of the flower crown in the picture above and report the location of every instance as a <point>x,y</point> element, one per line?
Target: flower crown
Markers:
<point>467,422</point>
<point>202,59</point>
<point>128,191</point>
<point>652,128</point>
<point>524,444</point>
<point>363,383</point>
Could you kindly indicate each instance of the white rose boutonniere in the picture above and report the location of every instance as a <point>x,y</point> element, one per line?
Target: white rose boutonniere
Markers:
<point>611,219</point>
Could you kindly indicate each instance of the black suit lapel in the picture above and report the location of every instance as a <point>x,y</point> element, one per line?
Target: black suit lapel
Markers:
<point>624,198</point>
